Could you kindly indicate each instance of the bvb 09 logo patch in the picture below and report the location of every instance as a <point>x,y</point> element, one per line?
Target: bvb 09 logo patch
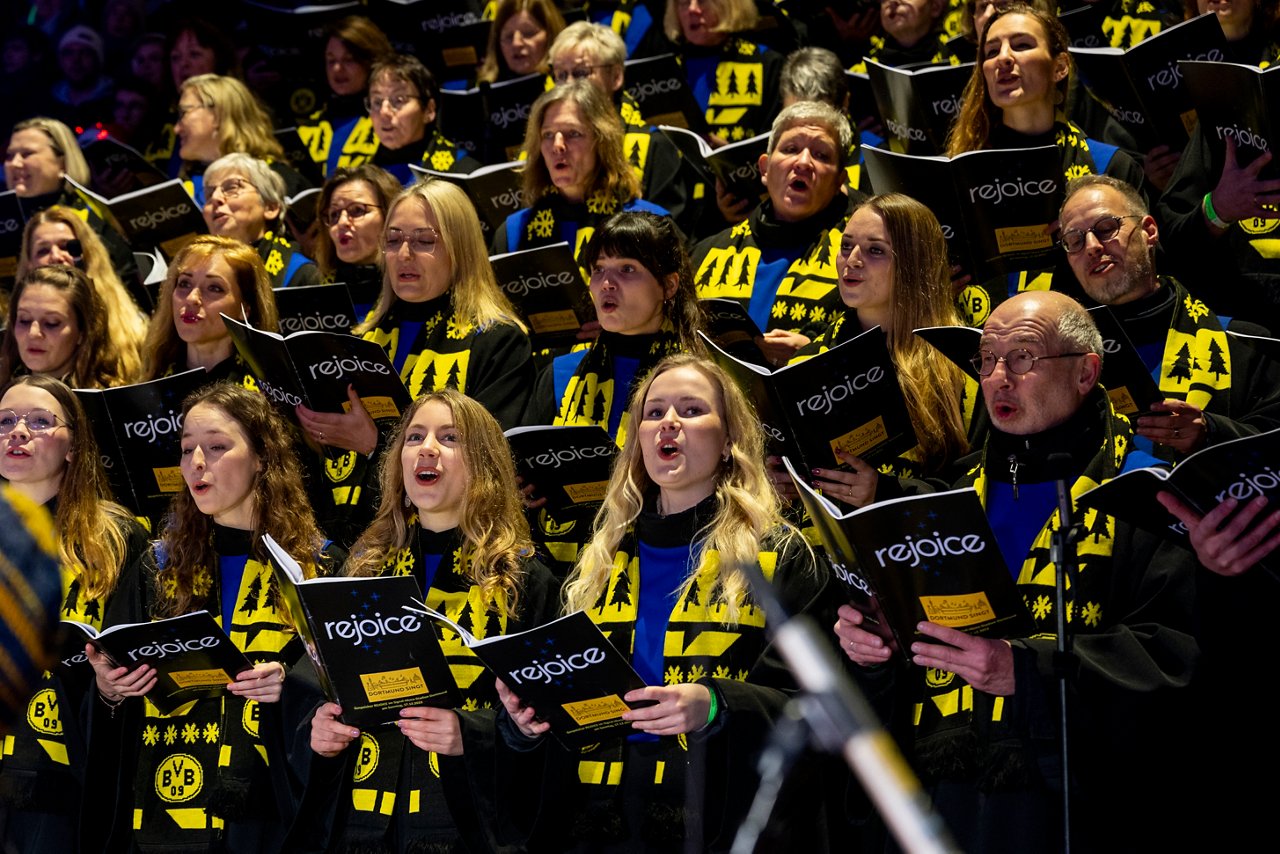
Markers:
<point>42,713</point>
<point>179,778</point>
<point>339,468</point>
<point>367,758</point>
<point>249,717</point>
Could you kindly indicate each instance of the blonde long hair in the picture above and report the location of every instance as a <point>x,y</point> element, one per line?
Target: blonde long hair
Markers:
<point>64,144</point>
<point>931,383</point>
<point>243,125</point>
<point>126,323</point>
<point>474,293</point>
<point>492,519</point>
<point>747,508</point>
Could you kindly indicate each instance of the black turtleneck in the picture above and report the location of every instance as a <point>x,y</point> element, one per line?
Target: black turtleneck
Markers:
<point>772,233</point>
<point>675,529</point>
<point>1027,457</point>
<point>1146,321</point>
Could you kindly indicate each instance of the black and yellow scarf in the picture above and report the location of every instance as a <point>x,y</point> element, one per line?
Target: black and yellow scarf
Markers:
<point>204,764</point>
<point>966,734</point>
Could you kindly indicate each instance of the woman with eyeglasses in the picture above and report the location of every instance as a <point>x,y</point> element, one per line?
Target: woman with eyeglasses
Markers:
<point>41,154</point>
<point>522,32</point>
<point>245,199</point>
<point>352,207</point>
<point>208,278</point>
<point>338,135</point>
<point>1016,99</point>
<point>219,753</point>
<point>50,457</point>
<point>577,174</point>
<point>449,517</point>
<point>402,107</point>
<point>219,115</point>
<point>57,327</point>
<point>894,274</point>
<point>57,235</point>
<point>687,508</point>
<point>444,323</point>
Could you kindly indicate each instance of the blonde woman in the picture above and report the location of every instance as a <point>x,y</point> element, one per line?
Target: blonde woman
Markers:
<point>50,238</point>
<point>444,323</point>
<point>218,115</point>
<point>450,516</point>
<point>688,508</point>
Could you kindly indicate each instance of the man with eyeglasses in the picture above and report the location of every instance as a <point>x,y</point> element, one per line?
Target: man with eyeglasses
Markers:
<point>986,719</point>
<point>1216,387</point>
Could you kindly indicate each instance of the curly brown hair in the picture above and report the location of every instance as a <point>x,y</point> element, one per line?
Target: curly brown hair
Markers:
<point>282,507</point>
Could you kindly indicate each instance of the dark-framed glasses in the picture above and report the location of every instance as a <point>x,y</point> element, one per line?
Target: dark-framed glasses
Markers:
<point>577,72</point>
<point>1017,361</point>
<point>1107,227</point>
<point>355,212</point>
<point>422,241</point>
<point>396,102</point>
<point>37,421</point>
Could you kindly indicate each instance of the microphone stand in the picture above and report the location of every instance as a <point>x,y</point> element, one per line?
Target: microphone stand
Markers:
<point>1064,557</point>
<point>832,712</point>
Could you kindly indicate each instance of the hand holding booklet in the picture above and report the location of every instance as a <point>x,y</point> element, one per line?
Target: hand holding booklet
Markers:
<point>567,670</point>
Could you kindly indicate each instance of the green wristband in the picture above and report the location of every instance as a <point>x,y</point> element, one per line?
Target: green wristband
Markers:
<point>1211,214</point>
<point>714,707</point>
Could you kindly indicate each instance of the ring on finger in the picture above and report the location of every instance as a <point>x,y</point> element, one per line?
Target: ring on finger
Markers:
<point>1177,434</point>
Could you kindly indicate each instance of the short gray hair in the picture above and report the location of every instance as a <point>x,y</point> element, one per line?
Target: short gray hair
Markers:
<point>814,74</point>
<point>814,113</point>
<point>605,45</point>
<point>1077,332</point>
<point>257,172</point>
<point>1134,203</point>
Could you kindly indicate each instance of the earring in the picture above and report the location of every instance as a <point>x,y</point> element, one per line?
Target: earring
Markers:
<point>727,454</point>
<point>407,502</point>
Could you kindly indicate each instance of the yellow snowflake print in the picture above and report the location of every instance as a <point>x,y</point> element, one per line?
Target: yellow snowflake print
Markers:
<point>742,676</point>
<point>458,329</point>
<point>1092,614</point>
<point>797,312</point>
<point>818,314</point>
<point>190,732</point>
<point>404,561</point>
<point>779,309</point>
<point>470,705</point>
<point>737,134</point>
<point>696,672</point>
<point>1042,607</point>
<point>746,48</point>
<point>170,734</point>
<point>442,161</point>
<point>599,203</point>
<point>673,676</point>
<point>275,262</point>
<point>1077,171</point>
<point>542,224</point>
<point>721,672</point>
<point>150,735</point>
<point>1195,309</point>
<point>211,733</point>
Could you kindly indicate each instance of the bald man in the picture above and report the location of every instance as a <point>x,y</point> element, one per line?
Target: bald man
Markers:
<point>985,712</point>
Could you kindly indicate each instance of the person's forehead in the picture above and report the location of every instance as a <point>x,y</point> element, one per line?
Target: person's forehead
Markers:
<point>1020,327</point>
<point>809,131</point>
<point>1092,202</point>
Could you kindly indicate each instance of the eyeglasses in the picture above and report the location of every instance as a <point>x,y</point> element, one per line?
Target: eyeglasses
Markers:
<point>422,241</point>
<point>375,104</point>
<point>1104,229</point>
<point>37,421</point>
<point>355,213</point>
<point>578,72</point>
<point>1018,361</point>
<point>230,188</point>
<point>182,111</point>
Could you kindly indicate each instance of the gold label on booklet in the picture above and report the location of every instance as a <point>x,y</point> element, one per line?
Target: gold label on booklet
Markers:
<point>858,440</point>
<point>586,712</point>
<point>393,684</point>
<point>199,678</point>
<point>169,479</point>
<point>456,56</point>
<point>965,609</point>
<point>1020,238</point>
<point>8,267</point>
<point>1122,400</point>
<point>582,492</point>
<point>553,321</point>
<point>378,406</point>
